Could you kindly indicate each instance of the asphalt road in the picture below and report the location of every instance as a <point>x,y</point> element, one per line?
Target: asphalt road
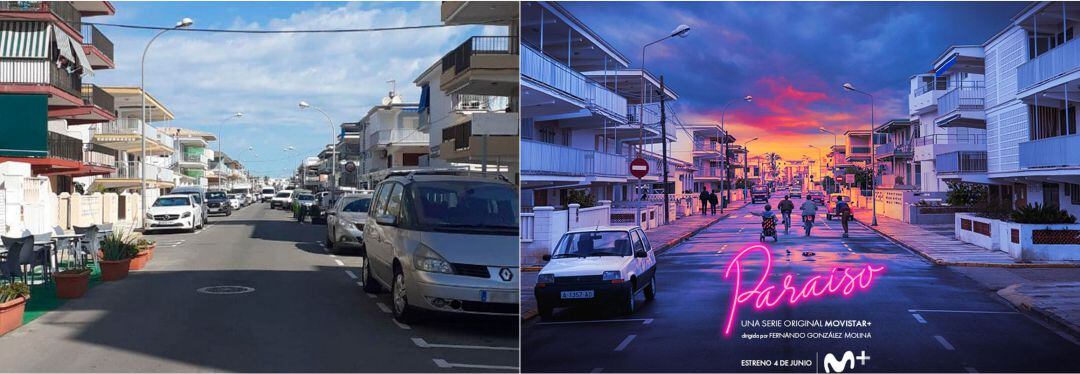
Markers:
<point>923,318</point>
<point>307,313</point>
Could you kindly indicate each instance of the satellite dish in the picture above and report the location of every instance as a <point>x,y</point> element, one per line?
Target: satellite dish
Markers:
<point>396,99</point>
<point>386,101</point>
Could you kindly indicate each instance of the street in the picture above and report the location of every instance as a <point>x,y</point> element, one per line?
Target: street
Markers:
<point>921,317</point>
<point>306,313</point>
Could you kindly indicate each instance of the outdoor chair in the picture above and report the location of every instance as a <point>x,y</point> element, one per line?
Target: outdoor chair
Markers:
<point>9,266</point>
<point>43,254</point>
<point>65,247</point>
<point>89,243</point>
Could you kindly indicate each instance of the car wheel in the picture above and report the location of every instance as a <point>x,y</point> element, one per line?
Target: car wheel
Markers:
<point>403,312</point>
<point>228,213</point>
<point>193,227</point>
<point>629,305</point>
<point>329,243</point>
<point>370,284</point>
<point>650,290</point>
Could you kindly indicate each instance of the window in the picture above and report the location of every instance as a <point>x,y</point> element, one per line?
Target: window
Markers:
<point>1050,194</point>
<point>393,206</point>
<point>637,241</point>
<point>380,199</point>
<point>644,239</point>
<point>1073,192</point>
<point>602,243</point>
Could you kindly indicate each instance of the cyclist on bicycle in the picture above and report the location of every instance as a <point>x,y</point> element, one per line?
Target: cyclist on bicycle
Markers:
<point>786,206</point>
<point>809,210</point>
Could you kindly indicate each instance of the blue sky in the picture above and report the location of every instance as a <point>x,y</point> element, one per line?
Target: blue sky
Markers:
<point>204,77</point>
<point>793,58</point>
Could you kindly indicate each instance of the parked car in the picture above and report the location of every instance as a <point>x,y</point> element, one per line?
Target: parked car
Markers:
<point>217,202</point>
<point>817,197</point>
<point>605,266</point>
<point>267,194</point>
<point>173,212</point>
<point>345,223</point>
<point>304,199</point>
<point>795,192</point>
<point>197,193</point>
<point>235,201</point>
<point>283,200</point>
<point>444,242</point>
<point>759,193</point>
<point>831,204</point>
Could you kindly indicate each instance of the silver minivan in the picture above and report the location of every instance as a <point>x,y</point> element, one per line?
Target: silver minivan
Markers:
<point>444,242</point>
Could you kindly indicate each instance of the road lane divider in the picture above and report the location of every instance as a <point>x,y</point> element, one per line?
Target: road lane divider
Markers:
<point>918,317</point>
<point>383,307</point>
<point>449,365</point>
<point>352,275</point>
<point>420,342</point>
<point>625,343</point>
<point>944,343</point>
<point>401,325</point>
<point>960,311</point>
<point>336,261</point>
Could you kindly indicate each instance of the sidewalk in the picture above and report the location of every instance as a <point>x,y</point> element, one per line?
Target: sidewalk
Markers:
<point>661,239</point>
<point>1056,302</point>
<point>945,250</point>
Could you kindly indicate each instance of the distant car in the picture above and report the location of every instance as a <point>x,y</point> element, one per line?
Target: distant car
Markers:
<point>235,201</point>
<point>267,194</point>
<point>197,193</point>
<point>218,203</point>
<point>759,193</point>
<point>283,200</point>
<point>444,242</point>
<point>605,266</point>
<point>831,204</point>
<point>305,200</point>
<point>795,192</point>
<point>817,197</point>
<point>174,212</point>
<point>345,222</point>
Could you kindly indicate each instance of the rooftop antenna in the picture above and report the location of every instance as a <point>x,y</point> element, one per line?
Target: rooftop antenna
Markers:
<point>393,88</point>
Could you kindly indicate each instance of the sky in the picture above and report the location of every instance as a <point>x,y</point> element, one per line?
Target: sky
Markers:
<point>793,58</point>
<point>204,77</point>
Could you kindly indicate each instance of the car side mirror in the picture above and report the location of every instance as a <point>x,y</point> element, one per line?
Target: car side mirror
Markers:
<point>547,257</point>
<point>386,220</point>
<point>641,254</point>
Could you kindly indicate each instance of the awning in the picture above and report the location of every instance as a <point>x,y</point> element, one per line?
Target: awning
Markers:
<point>945,67</point>
<point>72,50</point>
<point>81,55</point>
<point>24,39</point>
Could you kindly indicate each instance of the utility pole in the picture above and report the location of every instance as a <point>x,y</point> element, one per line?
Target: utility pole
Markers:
<point>663,148</point>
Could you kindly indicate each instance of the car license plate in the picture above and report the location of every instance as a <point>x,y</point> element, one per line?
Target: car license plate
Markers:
<point>577,294</point>
<point>509,297</point>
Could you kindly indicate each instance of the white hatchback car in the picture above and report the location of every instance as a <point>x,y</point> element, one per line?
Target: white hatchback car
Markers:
<point>597,266</point>
<point>174,212</point>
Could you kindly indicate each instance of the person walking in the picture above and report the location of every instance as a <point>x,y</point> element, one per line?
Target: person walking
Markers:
<point>713,201</point>
<point>809,211</point>
<point>704,197</point>
<point>786,206</point>
<point>843,210</point>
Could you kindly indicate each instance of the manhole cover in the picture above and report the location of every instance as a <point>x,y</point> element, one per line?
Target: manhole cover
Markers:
<point>225,290</point>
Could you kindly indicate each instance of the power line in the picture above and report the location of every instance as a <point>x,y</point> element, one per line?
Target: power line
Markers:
<point>316,31</point>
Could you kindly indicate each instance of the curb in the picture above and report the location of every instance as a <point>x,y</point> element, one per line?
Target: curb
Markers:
<point>1027,304</point>
<point>937,261</point>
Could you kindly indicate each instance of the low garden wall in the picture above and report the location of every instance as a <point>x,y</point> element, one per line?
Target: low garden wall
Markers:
<point>1023,241</point>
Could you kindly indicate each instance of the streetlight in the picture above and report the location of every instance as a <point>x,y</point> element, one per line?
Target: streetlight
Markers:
<point>142,107</point>
<point>222,123</point>
<point>873,161</point>
<point>746,167</point>
<point>816,148</point>
<point>333,143</point>
<point>679,31</point>
<point>723,141</point>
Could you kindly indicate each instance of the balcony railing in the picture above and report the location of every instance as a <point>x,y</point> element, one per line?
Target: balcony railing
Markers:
<point>950,139</point>
<point>133,170</point>
<point>65,147</point>
<point>558,76</point>
<point>197,158</point>
<point>460,58</point>
<point>96,96</point>
<point>1056,62</point>
<point>460,134</point>
<point>131,126</point>
<point>892,149</point>
<point>62,79</point>
<point>545,158</point>
<point>961,162</point>
<point>94,37</point>
<point>61,9</point>
<point>464,103</point>
<point>99,155</point>
<point>1058,151</point>
<point>858,151</point>
<point>397,136</point>
<point>963,96</point>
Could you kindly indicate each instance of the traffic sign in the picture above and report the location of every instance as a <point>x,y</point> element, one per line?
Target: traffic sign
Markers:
<point>639,168</point>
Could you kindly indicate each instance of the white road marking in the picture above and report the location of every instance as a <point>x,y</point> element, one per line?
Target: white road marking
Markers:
<point>401,325</point>
<point>383,307</point>
<point>918,317</point>
<point>449,365</point>
<point>333,256</point>
<point>748,216</point>
<point>339,262</point>
<point>644,321</point>
<point>959,311</point>
<point>625,343</point>
<point>597,370</point>
<point>944,343</point>
<point>351,275</point>
<point>970,369</point>
<point>420,342</point>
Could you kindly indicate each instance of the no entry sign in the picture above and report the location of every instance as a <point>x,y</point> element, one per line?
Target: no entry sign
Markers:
<point>639,168</point>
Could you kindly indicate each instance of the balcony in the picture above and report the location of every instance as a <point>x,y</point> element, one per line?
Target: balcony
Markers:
<point>482,65</point>
<point>197,161</point>
<point>924,97</point>
<point>1055,152</point>
<point>480,103</point>
<point>397,138</point>
<point>125,134</point>
<point>950,139</point>
<point>538,158</point>
<point>569,84</point>
<point>1055,63</point>
<point>41,76</point>
<point>96,154</point>
<point>465,142</point>
<point>893,150</point>
<point>132,170</point>
<point>959,162</point>
<point>962,106</point>
<point>98,48</point>
<point>62,11</point>
<point>65,147</point>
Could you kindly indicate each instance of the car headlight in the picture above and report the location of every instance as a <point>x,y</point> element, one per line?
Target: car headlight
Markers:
<point>612,275</point>
<point>426,259</point>
<point>545,278</point>
<point>149,216</point>
<point>186,214</point>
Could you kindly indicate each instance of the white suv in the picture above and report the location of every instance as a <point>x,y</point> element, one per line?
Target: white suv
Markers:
<point>597,266</point>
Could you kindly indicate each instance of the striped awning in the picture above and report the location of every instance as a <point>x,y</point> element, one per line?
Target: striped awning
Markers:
<point>24,39</point>
<point>71,50</point>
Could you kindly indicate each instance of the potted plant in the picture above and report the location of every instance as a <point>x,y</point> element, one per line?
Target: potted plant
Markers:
<point>147,245</point>
<point>117,250</point>
<point>13,298</point>
<point>145,251</point>
<point>72,283</point>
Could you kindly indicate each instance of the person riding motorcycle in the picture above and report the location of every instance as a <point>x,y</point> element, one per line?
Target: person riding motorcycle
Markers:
<point>809,211</point>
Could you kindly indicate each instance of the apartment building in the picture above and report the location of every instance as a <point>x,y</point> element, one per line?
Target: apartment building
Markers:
<point>191,160</point>
<point>469,98</point>
<point>705,147</point>
<point>898,168</point>
<point>46,59</point>
<point>390,139</point>
<point>125,134</point>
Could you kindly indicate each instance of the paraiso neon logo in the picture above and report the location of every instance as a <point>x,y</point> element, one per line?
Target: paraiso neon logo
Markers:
<point>843,281</point>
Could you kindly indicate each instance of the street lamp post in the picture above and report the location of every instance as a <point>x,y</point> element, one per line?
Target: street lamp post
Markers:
<point>221,127</point>
<point>333,143</point>
<point>873,157</point>
<point>833,149</point>
<point>679,31</point>
<point>818,158</point>
<point>142,113</point>
<point>746,167</point>
<point>723,141</point>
